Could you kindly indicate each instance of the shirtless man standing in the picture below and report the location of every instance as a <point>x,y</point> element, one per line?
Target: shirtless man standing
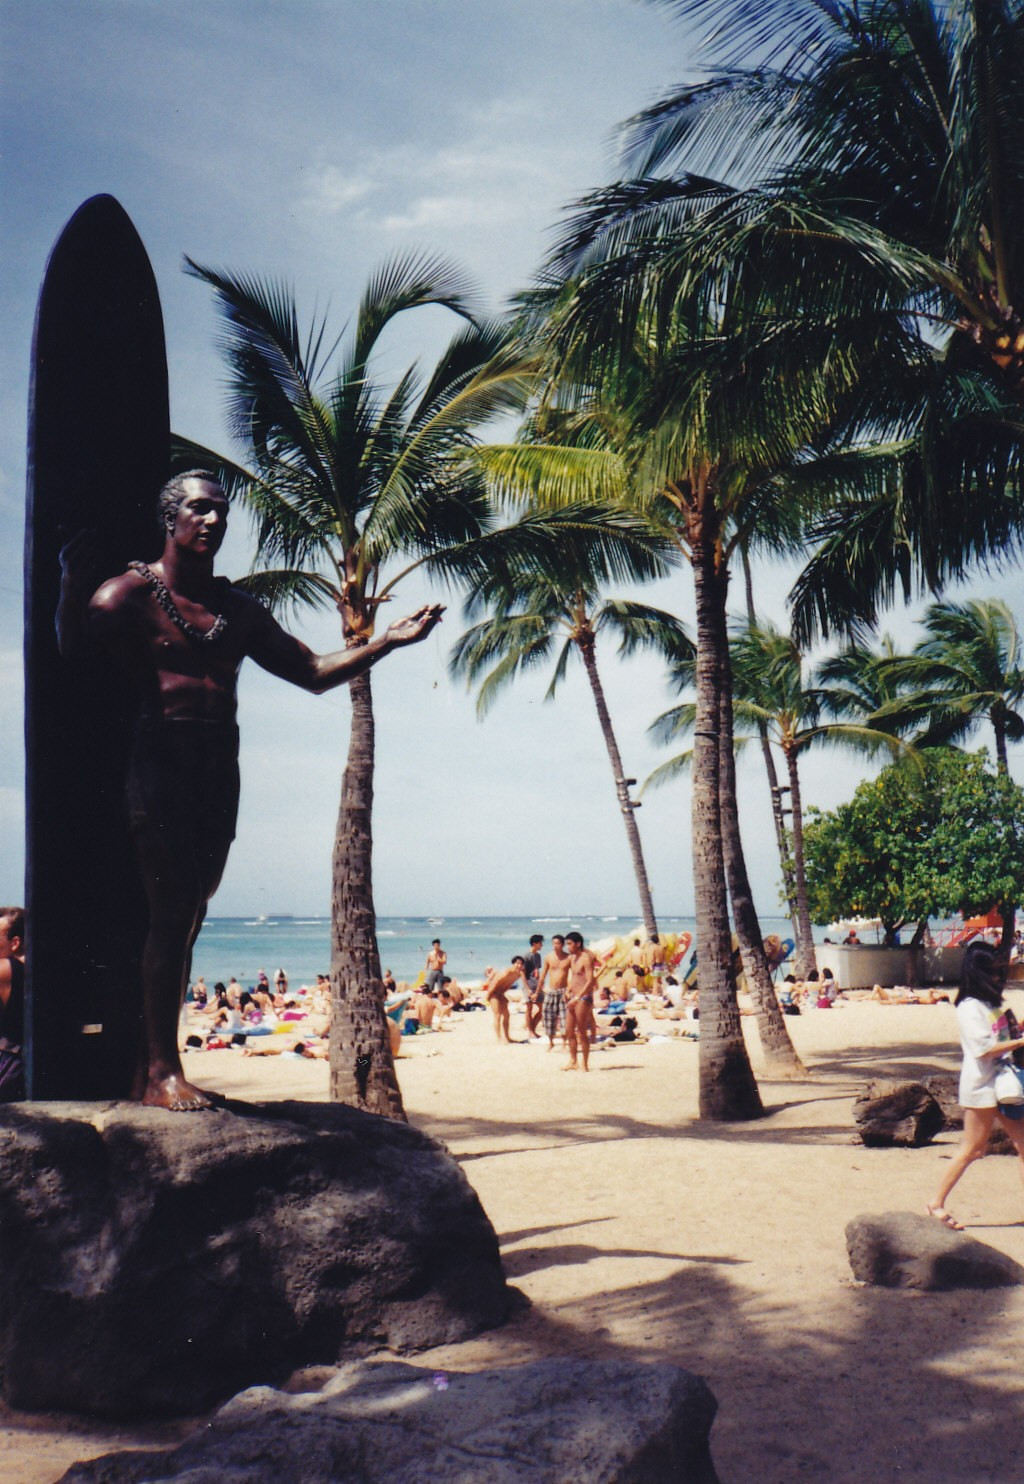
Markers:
<point>653,956</point>
<point>181,634</point>
<point>579,1001</point>
<point>551,988</point>
<point>496,988</point>
<point>535,996</point>
<point>436,960</point>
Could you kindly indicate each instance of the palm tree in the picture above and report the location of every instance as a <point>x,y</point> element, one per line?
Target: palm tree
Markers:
<point>776,1043</point>
<point>343,477</point>
<point>523,631</point>
<point>773,693</point>
<point>711,438</point>
<point>968,669</point>
<point>882,141</point>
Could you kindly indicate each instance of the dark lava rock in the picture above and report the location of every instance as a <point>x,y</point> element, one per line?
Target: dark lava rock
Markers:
<point>902,1250</point>
<point>897,1113</point>
<point>154,1263</point>
<point>560,1421</point>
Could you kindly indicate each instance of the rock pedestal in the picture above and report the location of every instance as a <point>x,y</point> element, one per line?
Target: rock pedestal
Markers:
<point>900,1249</point>
<point>555,1422</point>
<point>154,1263</point>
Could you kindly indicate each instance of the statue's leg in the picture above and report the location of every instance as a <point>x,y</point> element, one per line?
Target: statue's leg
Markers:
<point>175,894</point>
<point>183,797</point>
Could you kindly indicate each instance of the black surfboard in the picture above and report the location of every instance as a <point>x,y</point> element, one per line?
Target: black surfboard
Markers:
<point>98,454</point>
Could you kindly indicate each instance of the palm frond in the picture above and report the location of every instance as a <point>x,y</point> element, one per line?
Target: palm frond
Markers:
<point>639,626</point>
<point>668,772</point>
<point>283,589</point>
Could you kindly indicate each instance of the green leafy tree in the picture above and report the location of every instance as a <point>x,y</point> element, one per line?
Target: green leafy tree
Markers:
<point>912,845</point>
<point>566,614</point>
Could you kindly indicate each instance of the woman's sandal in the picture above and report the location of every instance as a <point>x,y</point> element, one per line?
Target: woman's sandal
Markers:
<point>943,1216</point>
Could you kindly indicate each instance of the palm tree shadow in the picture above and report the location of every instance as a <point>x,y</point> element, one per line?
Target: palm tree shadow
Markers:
<point>873,1382</point>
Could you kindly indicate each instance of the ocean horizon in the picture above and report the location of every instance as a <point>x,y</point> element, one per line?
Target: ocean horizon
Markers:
<point>242,946</point>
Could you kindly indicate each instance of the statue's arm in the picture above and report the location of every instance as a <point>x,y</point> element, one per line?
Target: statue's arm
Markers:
<point>79,564</point>
<point>288,658</point>
<point>91,616</point>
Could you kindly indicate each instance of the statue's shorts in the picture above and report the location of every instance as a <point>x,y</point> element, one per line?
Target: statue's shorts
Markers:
<point>183,782</point>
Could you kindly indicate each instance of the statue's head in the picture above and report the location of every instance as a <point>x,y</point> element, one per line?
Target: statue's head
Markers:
<point>175,490</point>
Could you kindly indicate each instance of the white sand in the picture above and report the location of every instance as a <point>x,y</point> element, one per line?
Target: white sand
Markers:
<point>636,1230</point>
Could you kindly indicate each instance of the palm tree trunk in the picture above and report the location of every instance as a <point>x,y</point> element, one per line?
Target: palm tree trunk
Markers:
<point>779,1053</point>
<point>805,959</point>
<point>778,817</point>
<point>1002,761</point>
<point>728,1090</point>
<point>781,834</point>
<point>362,1069</point>
<point>585,645</point>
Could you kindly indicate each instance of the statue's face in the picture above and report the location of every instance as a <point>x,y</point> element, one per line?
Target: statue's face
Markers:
<point>202,517</point>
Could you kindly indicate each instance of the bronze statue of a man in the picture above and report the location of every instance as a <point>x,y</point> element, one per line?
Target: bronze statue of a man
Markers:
<point>181,635</point>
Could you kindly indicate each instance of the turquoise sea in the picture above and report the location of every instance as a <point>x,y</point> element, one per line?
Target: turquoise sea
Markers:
<point>301,945</point>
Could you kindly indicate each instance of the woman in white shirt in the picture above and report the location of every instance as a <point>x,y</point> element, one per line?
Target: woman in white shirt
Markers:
<point>985,1037</point>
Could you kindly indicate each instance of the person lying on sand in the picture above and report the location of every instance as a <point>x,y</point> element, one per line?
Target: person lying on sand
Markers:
<point>902,994</point>
<point>313,1050</point>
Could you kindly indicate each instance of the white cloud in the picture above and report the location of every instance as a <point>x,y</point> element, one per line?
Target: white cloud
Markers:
<point>329,189</point>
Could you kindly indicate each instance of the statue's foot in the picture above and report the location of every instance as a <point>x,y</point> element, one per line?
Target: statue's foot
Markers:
<point>175,1093</point>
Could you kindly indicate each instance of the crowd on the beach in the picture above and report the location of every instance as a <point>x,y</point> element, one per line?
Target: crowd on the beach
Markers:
<point>263,1019</point>
<point>568,996</point>
<point>571,997</point>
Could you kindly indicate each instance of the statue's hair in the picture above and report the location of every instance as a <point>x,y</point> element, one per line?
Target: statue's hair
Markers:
<point>15,920</point>
<point>174,492</point>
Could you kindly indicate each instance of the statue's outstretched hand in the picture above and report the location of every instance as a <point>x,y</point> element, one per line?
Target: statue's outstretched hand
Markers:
<point>416,627</point>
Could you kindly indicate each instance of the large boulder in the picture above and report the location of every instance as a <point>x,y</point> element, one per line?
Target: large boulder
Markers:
<point>155,1262</point>
<point>902,1250</point>
<point>897,1113</point>
<point>558,1421</point>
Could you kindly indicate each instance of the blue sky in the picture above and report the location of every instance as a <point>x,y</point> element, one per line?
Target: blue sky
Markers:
<point>310,139</point>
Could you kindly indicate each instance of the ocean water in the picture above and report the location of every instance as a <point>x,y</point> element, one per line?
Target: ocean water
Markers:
<point>301,945</point>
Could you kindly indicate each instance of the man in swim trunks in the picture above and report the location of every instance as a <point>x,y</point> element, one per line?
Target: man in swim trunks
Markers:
<point>551,987</point>
<point>181,634</point>
<point>579,1001</point>
<point>653,956</point>
<point>436,960</point>
<point>496,988</point>
<point>535,995</point>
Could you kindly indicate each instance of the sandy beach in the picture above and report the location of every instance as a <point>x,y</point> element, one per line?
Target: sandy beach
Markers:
<point>634,1230</point>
